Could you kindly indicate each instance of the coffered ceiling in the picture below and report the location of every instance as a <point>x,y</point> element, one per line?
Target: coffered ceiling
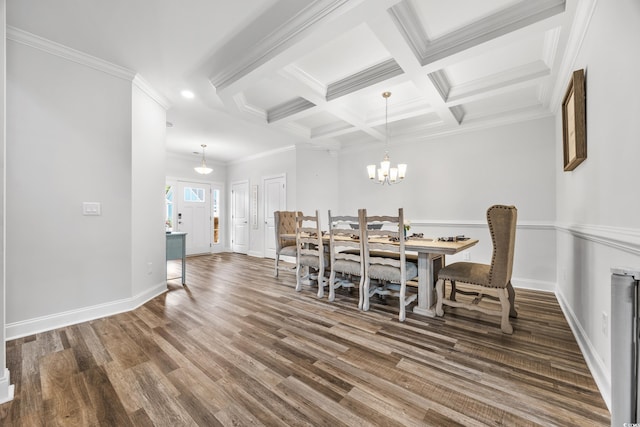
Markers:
<point>268,74</point>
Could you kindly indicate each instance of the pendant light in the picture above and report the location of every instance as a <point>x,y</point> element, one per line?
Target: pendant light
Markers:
<point>203,169</point>
<point>385,173</point>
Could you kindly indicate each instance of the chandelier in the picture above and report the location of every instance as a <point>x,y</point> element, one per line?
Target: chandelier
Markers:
<point>385,173</point>
<point>203,169</point>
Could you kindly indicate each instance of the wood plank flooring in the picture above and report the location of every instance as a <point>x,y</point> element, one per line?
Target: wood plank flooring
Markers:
<point>238,347</point>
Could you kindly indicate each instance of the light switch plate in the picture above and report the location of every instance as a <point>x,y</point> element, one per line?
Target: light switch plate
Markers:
<point>91,208</point>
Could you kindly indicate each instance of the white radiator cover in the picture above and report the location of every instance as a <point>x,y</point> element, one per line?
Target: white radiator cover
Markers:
<point>624,346</point>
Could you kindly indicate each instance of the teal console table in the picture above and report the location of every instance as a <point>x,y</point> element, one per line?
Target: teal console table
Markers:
<point>177,249</point>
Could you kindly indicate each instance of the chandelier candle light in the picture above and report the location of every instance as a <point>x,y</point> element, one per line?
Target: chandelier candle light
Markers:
<point>387,174</point>
<point>203,169</point>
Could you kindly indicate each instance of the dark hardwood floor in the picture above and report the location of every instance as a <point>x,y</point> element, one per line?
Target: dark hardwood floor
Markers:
<point>237,346</point>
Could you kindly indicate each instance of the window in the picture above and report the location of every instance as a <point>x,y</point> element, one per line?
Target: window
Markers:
<point>192,194</point>
<point>215,208</point>
<point>168,200</point>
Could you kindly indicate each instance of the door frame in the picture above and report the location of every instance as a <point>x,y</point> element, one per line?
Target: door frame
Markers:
<point>282,176</point>
<point>232,230</point>
<point>221,246</point>
<point>207,239</point>
<point>174,181</point>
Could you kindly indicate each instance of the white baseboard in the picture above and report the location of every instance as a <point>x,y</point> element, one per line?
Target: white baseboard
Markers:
<point>85,314</point>
<point>596,365</point>
<point>6,389</point>
<point>255,254</point>
<point>536,285</point>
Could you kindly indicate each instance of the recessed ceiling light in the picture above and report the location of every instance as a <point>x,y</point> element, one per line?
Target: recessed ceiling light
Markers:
<point>187,94</point>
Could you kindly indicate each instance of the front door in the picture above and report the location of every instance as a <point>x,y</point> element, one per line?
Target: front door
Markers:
<point>275,199</point>
<point>194,215</point>
<point>240,217</point>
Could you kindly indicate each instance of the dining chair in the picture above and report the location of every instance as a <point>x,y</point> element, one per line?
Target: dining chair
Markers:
<point>345,252</point>
<point>385,260</point>
<point>489,278</point>
<point>310,251</point>
<point>285,223</point>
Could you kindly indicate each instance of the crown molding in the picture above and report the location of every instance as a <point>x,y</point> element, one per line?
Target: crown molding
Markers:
<point>581,21</point>
<point>527,74</point>
<point>437,130</point>
<point>458,112</point>
<point>510,19</point>
<point>298,74</point>
<point>282,37</point>
<point>145,87</point>
<point>550,45</point>
<point>441,82</point>
<point>365,78</point>
<point>505,21</point>
<point>289,108</point>
<point>263,155</point>
<point>294,128</point>
<point>405,17</point>
<point>244,107</point>
<point>65,52</point>
<point>331,130</point>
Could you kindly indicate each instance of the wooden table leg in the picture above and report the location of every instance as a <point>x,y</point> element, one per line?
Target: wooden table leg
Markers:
<point>428,267</point>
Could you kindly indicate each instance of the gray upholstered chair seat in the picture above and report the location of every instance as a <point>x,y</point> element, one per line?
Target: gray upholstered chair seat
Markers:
<point>467,272</point>
<point>347,267</point>
<point>392,274</point>
<point>408,256</point>
<point>290,250</point>
<point>312,261</point>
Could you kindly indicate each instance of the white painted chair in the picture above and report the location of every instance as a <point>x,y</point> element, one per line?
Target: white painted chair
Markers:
<point>385,260</point>
<point>345,252</point>
<point>310,251</point>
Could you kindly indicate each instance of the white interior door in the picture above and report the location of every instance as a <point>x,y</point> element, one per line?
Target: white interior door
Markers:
<point>240,217</point>
<point>194,215</point>
<point>275,199</point>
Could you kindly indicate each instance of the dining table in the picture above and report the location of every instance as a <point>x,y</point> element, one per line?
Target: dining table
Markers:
<point>431,254</point>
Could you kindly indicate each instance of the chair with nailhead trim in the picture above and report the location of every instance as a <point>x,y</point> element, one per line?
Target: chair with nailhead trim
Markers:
<point>285,223</point>
<point>493,278</point>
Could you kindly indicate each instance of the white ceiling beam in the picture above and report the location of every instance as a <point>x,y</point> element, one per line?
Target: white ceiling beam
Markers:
<point>314,26</point>
<point>506,81</point>
<point>387,32</point>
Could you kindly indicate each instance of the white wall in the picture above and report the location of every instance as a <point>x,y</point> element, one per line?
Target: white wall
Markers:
<point>598,203</point>
<point>77,136</point>
<point>452,180</point>
<point>148,181</point>
<point>318,184</point>
<point>68,142</point>
<point>253,170</point>
<point>6,389</point>
<point>181,167</point>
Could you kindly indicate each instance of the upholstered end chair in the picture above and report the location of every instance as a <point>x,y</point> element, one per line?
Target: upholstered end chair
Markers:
<point>493,278</point>
<point>285,223</point>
